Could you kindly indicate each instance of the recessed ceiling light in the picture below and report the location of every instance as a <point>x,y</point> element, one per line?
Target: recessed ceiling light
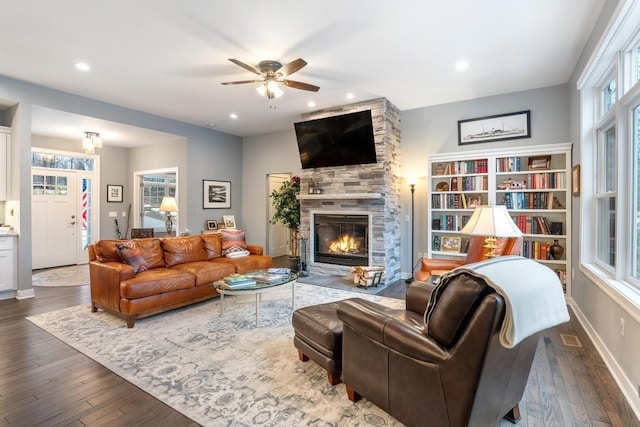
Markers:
<point>462,65</point>
<point>233,116</point>
<point>82,66</point>
<point>350,96</point>
<point>311,104</point>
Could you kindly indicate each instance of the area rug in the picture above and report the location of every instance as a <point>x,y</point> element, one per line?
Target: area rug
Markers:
<point>73,275</point>
<point>343,283</point>
<point>220,369</point>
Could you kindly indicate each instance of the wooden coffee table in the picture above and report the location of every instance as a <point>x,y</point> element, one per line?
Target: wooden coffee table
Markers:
<point>258,289</point>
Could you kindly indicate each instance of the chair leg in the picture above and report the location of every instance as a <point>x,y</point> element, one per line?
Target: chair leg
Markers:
<point>303,357</point>
<point>352,394</point>
<point>513,416</point>
<point>334,378</point>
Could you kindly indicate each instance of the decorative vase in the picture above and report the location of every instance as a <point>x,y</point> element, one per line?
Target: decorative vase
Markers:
<point>556,250</point>
<point>294,263</point>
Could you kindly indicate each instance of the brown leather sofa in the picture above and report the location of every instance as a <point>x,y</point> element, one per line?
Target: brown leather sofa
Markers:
<point>181,272</point>
<point>476,253</point>
<point>451,372</point>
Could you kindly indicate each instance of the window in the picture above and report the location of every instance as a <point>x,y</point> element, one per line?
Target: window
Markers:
<point>635,236</point>
<point>609,95</point>
<point>606,197</point>
<point>155,186</point>
<point>610,156</point>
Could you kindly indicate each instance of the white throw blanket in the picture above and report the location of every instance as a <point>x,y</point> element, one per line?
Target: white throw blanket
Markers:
<point>532,293</point>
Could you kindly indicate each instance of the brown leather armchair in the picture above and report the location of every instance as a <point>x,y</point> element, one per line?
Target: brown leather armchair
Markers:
<point>451,372</point>
<point>476,253</point>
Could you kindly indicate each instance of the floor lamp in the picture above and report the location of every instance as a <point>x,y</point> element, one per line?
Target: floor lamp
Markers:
<point>413,189</point>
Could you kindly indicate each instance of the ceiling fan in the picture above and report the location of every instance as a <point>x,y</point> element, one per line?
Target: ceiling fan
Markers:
<point>273,73</point>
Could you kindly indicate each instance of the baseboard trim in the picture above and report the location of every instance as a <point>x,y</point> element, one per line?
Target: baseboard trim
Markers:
<point>28,293</point>
<point>628,389</point>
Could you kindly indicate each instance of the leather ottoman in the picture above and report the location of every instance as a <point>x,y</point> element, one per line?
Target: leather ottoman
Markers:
<point>318,336</point>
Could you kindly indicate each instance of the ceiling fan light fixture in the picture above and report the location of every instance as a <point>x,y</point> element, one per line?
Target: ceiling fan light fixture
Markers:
<point>262,89</point>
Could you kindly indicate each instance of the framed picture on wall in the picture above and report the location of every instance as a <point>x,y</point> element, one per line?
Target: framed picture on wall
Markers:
<point>495,128</point>
<point>216,194</point>
<point>114,193</point>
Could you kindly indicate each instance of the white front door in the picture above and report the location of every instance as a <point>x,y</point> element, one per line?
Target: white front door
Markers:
<point>278,233</point>
<point>54,220</point>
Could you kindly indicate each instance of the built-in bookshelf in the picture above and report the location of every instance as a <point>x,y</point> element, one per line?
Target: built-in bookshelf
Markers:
<point>532,182</point>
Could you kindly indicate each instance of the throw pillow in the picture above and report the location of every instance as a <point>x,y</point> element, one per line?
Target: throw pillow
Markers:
<point>232,241</point>
<point>131,254</point>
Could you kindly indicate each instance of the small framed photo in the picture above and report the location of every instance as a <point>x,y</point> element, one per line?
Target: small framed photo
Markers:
<point>216,194</point>
<point>539,163</point>
<point>575,181</point>
<point>229,221</point>
<point>114,193</point>
<point>212,224</point>
<point>474,201</point>
<point>451,244</point>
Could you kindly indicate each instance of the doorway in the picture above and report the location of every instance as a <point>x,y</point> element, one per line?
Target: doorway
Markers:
<point>64,207</point>
<point>151,186</point>
<point>278,234</point>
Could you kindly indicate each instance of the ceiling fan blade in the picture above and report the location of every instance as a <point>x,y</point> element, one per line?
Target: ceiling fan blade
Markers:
<point>241,82</point>
<point>245,66</point>
<point>292,67</point>
<point>300,85</point>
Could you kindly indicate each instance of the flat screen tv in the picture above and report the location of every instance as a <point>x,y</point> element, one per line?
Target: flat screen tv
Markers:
<point>336,141</point>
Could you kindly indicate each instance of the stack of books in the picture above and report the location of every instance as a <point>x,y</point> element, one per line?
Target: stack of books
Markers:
<point>237,281</point>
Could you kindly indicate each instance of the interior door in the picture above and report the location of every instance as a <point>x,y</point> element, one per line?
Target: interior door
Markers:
<point>54,219</point>
<point>278,233</point>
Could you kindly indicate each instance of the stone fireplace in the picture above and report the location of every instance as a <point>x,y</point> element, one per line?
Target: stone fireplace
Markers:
<point>370,191</point>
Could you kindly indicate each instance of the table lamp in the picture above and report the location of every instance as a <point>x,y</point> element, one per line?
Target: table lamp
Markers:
<point>168,205</point>
<point>492,222</point>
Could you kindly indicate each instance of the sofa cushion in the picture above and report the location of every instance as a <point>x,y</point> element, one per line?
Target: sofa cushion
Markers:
<point>213,245</point>
<point>452,305</point>
<point>155,282</point>
<point>131,254</point>
<point>106,250</point>
<point>180,250</point>
<point>247,263</point>
<point>151,250</point>
<point>206,272</point>
<point>233,241</point>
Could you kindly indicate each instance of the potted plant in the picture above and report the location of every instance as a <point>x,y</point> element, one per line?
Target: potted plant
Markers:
<point>287,212</point>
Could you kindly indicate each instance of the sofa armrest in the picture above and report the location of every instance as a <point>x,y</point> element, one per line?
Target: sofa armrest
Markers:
<point>378,323</point>
<point>255,249</point>
<point>418,295</point>
<point>366,317</point>
<point>105,281</point>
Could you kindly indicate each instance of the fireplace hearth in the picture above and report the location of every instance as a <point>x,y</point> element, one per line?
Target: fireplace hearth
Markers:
<point>341,239</point>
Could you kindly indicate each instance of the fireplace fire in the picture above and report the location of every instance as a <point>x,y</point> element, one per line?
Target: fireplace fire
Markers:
<point>341,239</point>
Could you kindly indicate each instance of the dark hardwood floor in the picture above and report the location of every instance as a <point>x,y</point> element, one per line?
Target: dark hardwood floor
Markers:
<point>45,382</point>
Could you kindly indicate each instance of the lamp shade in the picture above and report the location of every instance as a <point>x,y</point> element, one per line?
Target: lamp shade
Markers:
<point>168,205</point>
<point>491,221</point>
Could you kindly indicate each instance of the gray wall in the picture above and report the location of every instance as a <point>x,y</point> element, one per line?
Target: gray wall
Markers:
<point>263,155</point>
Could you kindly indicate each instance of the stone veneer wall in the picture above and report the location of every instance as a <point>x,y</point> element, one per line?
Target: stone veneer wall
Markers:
<point>381,177</point>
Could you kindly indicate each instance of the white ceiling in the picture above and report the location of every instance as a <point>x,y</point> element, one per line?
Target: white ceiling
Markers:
<point>168,57</point>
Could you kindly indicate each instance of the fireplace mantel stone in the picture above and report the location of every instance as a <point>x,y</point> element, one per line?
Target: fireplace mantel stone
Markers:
<point>340,196</point>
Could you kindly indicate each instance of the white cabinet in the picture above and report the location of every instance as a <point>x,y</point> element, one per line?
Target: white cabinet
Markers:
<point>7,263</point>
<point>533,183</point>
<point>5,138</point>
